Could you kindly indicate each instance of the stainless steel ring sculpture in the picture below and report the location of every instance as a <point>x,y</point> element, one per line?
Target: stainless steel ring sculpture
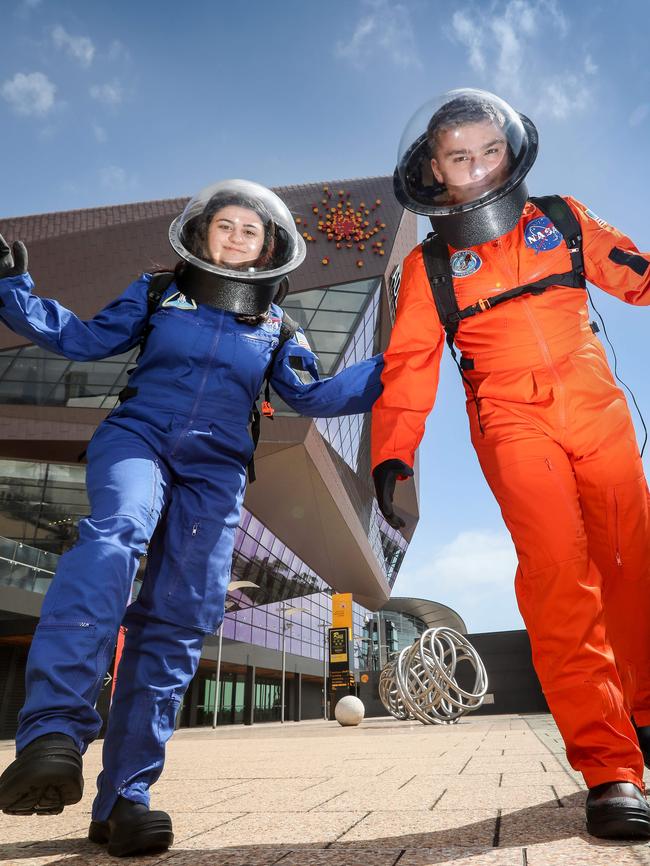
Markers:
<point>421,682</point>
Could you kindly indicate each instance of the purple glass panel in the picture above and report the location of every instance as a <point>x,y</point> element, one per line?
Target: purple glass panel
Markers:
<point>243,632</point>
<point>255,528</point>
<point>259,617</point>
<point>258,636</point>
<point>272,640</point>
<point>278,548</point>
<point>267,538</point>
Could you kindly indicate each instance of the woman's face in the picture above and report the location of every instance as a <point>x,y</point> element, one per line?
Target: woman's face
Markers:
<point>235,236</point>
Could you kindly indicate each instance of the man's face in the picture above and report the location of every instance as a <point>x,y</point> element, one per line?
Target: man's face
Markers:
<point>470,160</point>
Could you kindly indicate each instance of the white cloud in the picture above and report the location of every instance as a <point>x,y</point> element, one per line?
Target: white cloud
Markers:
<point>118,52</point>
<point>80,48</point>
<point>508,48</point>
<point>639,114</point>
<point>29,94</point>
<point>473,574</point>
<point>476,558</point>
<point>109,94</point>
<point>561,97</point>
<point>385,28</point>
<point>469,36</point>
<point>25,7</point>
<point>99,132</point>
<point>510,52</point>
<point>116,178</point>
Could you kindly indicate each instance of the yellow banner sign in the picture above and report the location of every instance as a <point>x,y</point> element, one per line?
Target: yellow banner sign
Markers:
<point>342,610</point>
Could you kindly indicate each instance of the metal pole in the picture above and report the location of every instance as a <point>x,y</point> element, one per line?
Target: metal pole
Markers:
<point>283,668</point>
<point>379,645</point>
<point>217,678</point>
<point>324,627</point>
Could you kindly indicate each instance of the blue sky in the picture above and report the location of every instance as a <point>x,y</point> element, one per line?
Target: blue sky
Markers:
<point>111,102</point>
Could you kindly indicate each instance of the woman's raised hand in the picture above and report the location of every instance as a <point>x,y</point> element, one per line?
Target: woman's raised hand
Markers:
<point>13,260</point>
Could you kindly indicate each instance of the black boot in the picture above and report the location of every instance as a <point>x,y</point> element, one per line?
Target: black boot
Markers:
<point>618,810</point>
<point>643,735</point>
<point>132,829</point>
<point>45,777</point>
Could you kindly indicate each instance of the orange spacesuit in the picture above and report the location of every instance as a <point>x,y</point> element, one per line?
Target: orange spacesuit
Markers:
<point>557,446</point>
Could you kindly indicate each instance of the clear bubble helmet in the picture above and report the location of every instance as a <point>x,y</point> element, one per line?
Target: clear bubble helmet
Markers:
<point>240,242</point>
<point>462,161</point>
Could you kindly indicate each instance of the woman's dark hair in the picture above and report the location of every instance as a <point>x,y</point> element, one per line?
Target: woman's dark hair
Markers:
<point>458,112</point>
<point>195,232</point>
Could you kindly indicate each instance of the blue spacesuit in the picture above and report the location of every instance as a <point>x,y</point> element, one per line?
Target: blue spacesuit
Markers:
<point>166,475</point>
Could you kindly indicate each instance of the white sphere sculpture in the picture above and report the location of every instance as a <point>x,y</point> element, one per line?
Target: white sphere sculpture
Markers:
<point>349,711</point>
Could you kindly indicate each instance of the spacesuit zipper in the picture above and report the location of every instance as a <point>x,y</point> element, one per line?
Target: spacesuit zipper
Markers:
<point>199,393</point>
<point>546,352</point>
<point>617,552</point>
<point>562,489</point>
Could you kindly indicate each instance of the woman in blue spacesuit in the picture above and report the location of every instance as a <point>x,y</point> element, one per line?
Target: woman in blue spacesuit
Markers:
<point>166,474</point>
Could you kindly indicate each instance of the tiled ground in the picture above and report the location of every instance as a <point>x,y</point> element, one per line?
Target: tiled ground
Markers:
<point>489,790</point>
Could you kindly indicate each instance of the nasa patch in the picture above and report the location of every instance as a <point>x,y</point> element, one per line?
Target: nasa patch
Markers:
<point>272,325</point>
<point>464,263</point>
<point>541,235</point>
<point>179,302</point>
<point>601,222</point>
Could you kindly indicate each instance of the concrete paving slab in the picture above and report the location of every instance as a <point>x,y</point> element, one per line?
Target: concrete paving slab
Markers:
<point>490,790</point>
<point>288,829</point>
<point>501,798</point>
<point>427,829</point>
<point>475,856</point>
<point>583,852</point>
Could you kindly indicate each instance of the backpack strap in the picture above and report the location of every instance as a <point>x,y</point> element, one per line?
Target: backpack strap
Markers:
<point>288,329</point>
<point>436,261</point>
<point>565,221</point>
<point>158,285</point>
<point>438,268</point>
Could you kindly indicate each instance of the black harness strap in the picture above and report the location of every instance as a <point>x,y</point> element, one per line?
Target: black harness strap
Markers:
<point>157,287</point>
<point>438,268</point>
<point>436,261</point>
<point>288,329</point>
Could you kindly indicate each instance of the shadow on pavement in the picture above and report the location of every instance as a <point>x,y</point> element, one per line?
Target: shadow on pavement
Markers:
<point>535,825</point>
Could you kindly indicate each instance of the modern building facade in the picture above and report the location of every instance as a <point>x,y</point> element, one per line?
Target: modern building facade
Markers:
<point>310,525</point>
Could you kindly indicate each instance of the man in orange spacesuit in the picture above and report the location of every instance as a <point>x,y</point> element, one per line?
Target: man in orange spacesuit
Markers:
<point>503,278</point>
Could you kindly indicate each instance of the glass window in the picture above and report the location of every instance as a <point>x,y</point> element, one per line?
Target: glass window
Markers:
<point>343,302</point>
<point>327,342</point>
<point>311,299</point>
<point>332,321</point>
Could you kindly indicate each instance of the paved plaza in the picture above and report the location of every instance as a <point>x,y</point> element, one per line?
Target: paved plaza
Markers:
<point>489,790</point>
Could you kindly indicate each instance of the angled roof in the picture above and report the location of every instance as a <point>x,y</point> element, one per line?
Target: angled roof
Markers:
<point>85,258</point>
<point>432,613</point>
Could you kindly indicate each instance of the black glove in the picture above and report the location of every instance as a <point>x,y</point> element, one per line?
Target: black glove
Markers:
<point>13,262</point>
<point>385,476</point>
